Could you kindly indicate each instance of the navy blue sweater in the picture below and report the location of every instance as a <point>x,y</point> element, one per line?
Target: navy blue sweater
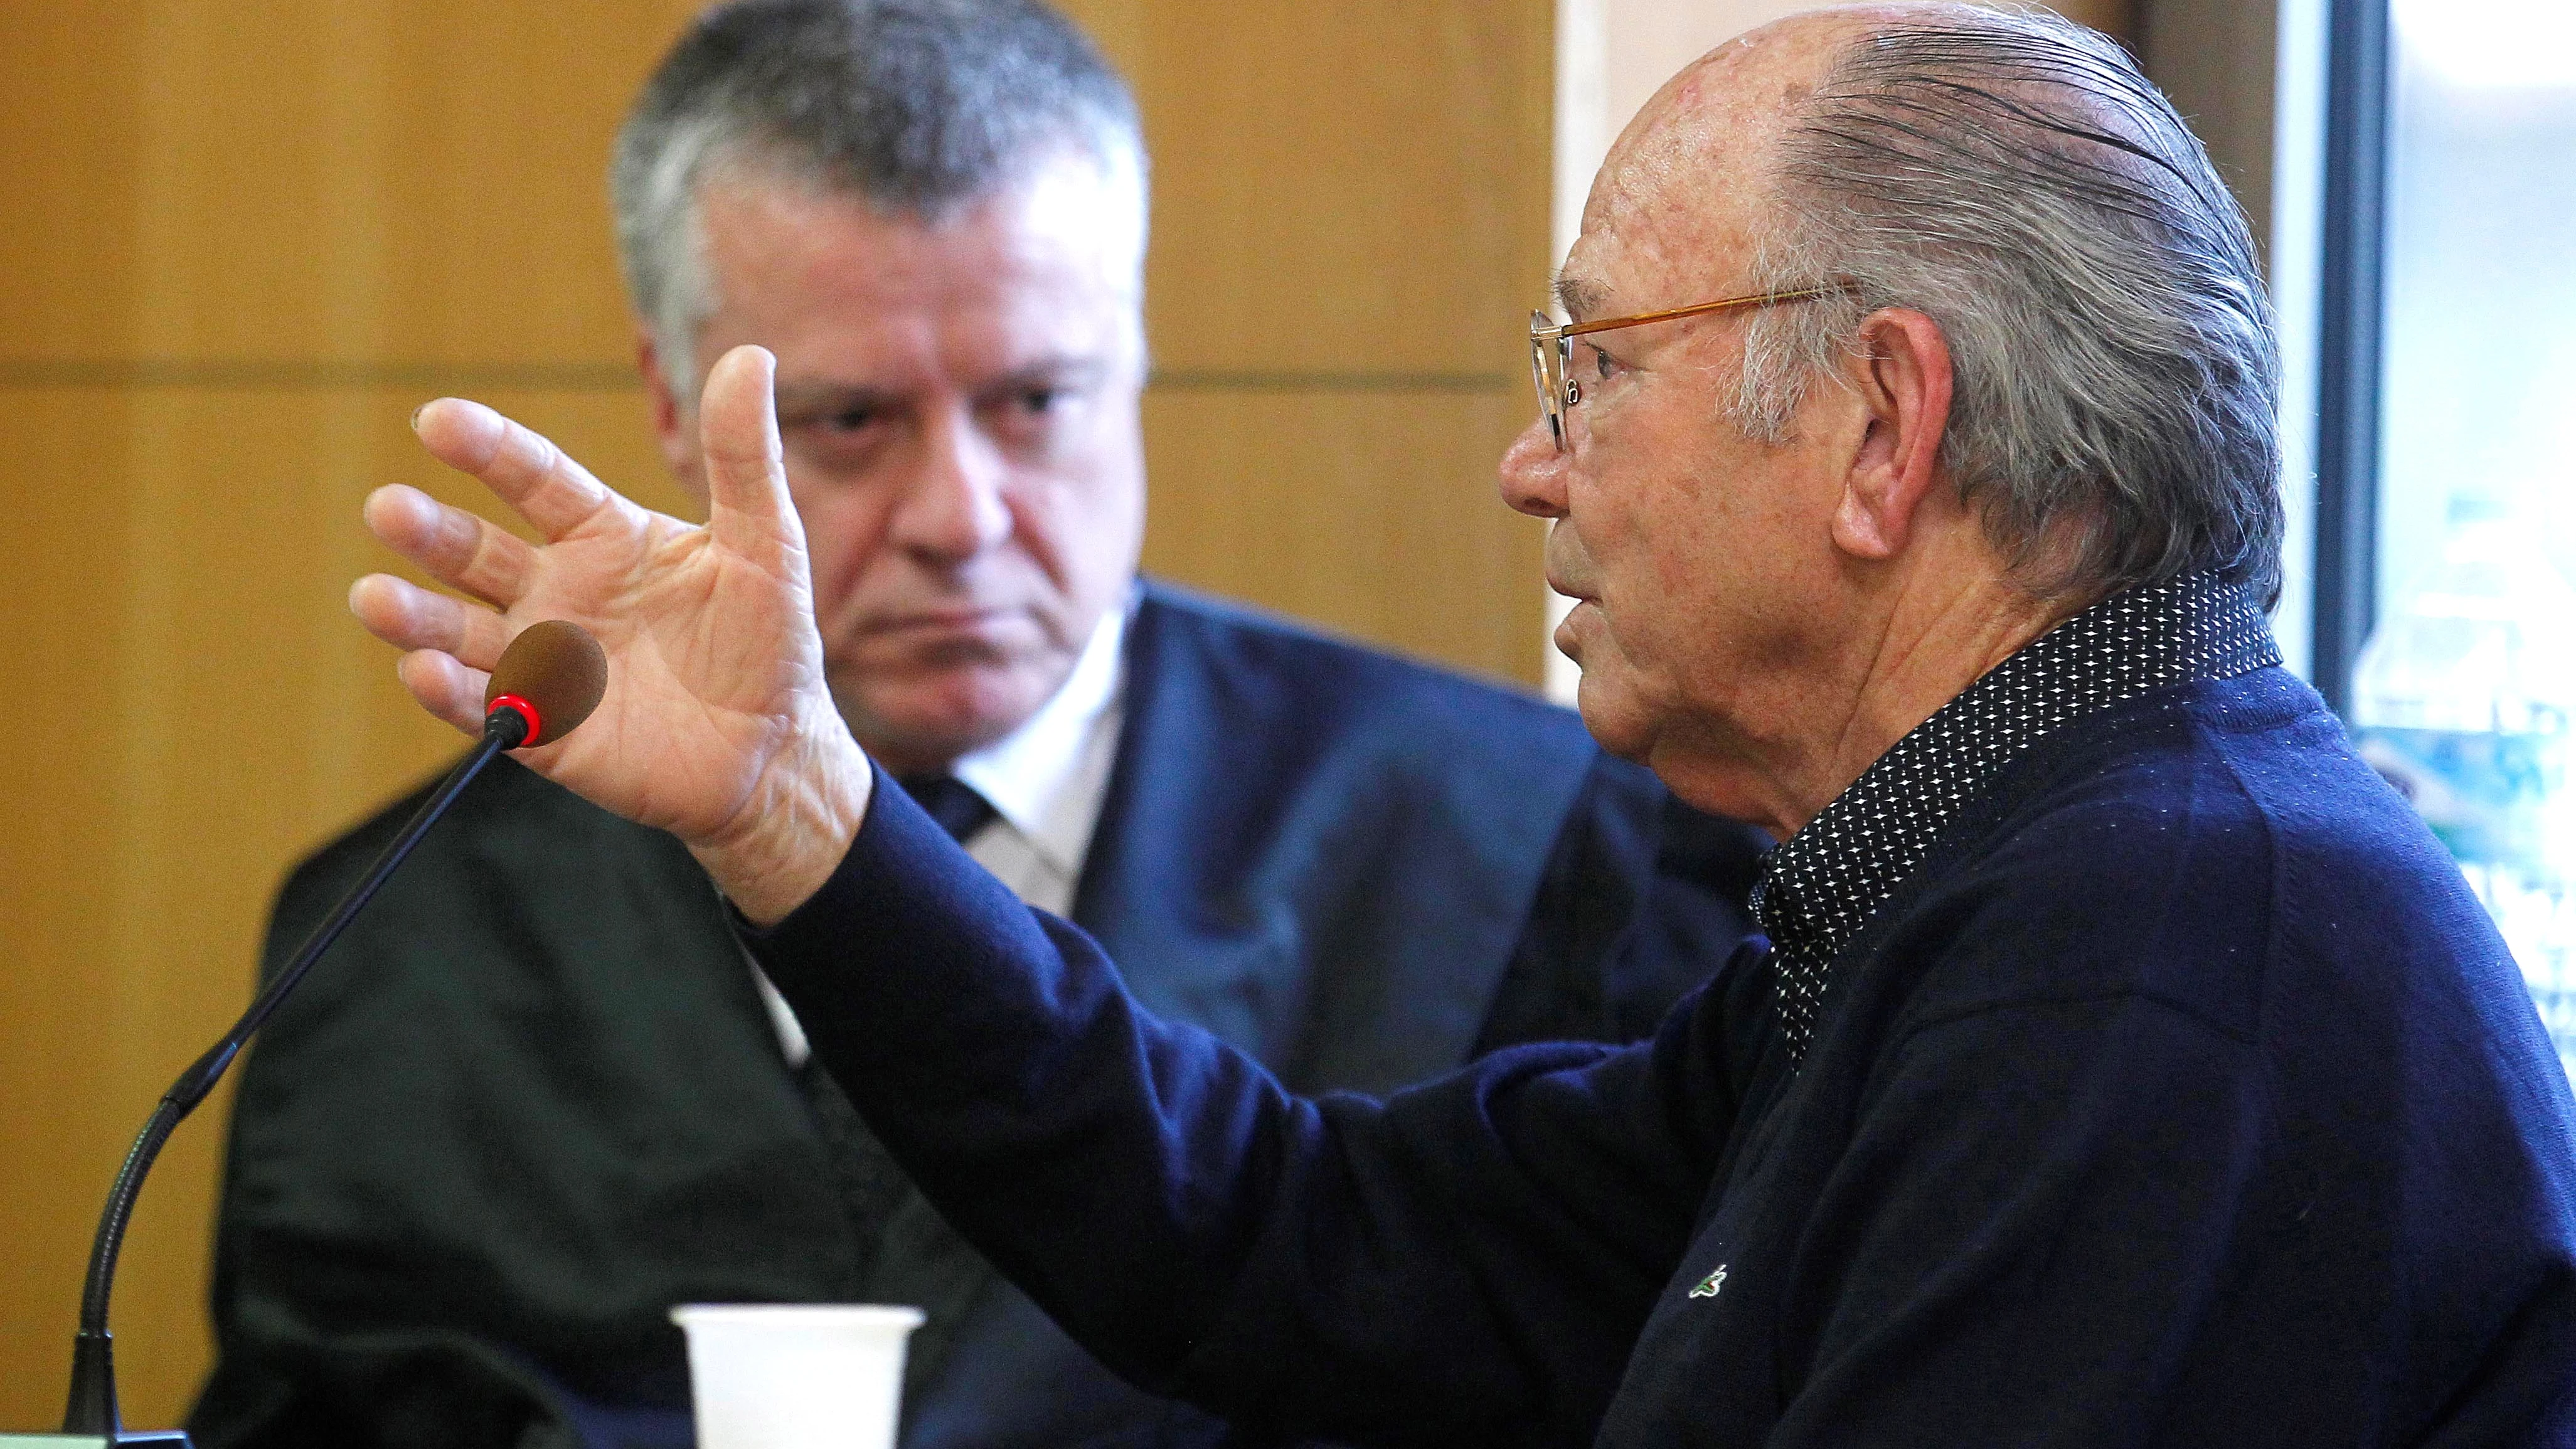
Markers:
<point>2184,1096</point>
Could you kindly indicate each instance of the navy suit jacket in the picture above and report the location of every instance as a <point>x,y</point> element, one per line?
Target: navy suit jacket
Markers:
<point>532,1100</point>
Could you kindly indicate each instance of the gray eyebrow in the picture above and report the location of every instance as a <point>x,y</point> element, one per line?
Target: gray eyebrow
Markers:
<point>832,397</point>
<point>807,403</point>
<point>1064,370</point>
<point>1579,296</point>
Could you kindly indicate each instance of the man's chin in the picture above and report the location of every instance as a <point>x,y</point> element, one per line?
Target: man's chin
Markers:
<point>1612,713</point>
<point>1615,721</point>
<point>922,725</point>
<point>913,735</point>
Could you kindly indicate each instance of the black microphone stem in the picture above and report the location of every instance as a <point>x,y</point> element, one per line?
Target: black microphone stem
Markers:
<point>92,1409</point>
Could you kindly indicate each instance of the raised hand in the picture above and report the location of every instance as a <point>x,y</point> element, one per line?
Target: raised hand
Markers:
<point>717,725</point>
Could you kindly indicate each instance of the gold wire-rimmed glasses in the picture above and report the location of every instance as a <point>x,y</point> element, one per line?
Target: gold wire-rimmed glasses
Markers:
<point>1552,345</point>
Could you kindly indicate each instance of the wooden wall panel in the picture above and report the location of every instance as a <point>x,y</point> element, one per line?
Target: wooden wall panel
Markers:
<point>63,536</point>
<point>309,180</point>
<point>268,228</point>
<point>1348,240</point>
<point>1383,503</point>
<point>70,113</point>
<point>2118,17</point>
<point>2216,59</point>
<point>1359,206</point>
<point>184,555</point>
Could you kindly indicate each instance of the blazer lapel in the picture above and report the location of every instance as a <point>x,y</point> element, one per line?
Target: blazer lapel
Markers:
<point>1285,868</point>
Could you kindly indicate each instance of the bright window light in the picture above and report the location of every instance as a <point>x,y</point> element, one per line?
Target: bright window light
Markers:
<point>2492,44</point>
<point>2477,497</point>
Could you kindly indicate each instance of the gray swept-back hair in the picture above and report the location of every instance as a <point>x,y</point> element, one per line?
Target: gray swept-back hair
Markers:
<point>919,107</point>
<point>2012,176</point>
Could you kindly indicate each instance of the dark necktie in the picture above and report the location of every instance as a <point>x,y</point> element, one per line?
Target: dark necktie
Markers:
<point>950,801</point>
<point>875,1193</point>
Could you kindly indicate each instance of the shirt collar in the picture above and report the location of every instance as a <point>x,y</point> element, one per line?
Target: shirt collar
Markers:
<point>1823,884</point>
<point>1046,778</point>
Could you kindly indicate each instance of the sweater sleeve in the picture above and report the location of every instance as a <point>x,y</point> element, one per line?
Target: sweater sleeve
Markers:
<point>1466,1261</point>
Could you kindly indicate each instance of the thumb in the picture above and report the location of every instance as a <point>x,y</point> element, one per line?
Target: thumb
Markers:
<point>747,497</point>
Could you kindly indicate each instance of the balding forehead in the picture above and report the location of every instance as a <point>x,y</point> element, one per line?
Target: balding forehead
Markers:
<point>1725,111</point>
<point>1695,167</point>
<point>1773,64</point>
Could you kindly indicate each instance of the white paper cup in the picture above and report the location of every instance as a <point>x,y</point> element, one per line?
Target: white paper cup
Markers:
<point>795,1375</point>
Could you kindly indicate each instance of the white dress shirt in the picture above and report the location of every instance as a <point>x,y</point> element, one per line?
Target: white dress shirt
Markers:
<point>1045,782</point>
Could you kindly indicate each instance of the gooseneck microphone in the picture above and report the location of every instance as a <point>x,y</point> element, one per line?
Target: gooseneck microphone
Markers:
<point>548,681</point>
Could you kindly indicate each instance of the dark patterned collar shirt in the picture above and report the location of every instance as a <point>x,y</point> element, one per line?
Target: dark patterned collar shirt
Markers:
<point>1825,882</point>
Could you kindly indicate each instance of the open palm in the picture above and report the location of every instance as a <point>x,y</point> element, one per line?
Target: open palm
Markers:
<point>717,725</point>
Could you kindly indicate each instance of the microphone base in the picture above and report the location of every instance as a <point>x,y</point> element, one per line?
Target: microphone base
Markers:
<point>164,1438</point>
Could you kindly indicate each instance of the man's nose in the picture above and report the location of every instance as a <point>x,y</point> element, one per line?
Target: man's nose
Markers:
<point>954,508</point>
<point>1533,472</point>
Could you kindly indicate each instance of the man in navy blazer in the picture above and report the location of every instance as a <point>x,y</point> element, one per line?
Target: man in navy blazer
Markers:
<point>2121,1062</point>
<point>541,1097</point>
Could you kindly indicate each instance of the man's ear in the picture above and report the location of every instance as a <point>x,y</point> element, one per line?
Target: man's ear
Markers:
<point>1901,374</point>
<point>674,427</point>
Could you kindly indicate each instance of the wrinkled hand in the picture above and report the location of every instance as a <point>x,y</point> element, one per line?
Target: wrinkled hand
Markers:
<point>717,725</point>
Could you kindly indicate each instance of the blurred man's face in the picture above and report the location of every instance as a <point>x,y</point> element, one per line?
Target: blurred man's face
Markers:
<point>959,405</point>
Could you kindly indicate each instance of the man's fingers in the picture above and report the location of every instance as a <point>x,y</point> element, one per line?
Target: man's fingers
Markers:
<point>410,617</point>
<point>455,547</point>
<point>746,470</point>
<point>530,473</point>
<point>445,688</point>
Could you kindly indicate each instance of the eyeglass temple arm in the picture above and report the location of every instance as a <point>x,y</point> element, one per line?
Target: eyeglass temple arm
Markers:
<point>1577,329</point>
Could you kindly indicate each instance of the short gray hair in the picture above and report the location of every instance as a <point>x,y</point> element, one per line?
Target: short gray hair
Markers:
<point>917,106</point>
<point>2013,177</point>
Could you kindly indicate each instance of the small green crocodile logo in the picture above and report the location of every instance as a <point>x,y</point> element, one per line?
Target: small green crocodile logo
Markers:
<point>1709,1285</point>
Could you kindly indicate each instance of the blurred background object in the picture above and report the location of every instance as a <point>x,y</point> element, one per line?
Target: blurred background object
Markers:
<point>248,238</point>
<point>2465,530</point>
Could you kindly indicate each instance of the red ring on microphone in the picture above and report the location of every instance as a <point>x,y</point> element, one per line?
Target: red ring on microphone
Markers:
<point>526,711</point>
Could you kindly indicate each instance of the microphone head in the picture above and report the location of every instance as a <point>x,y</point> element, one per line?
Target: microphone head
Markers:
<point>558,670</point>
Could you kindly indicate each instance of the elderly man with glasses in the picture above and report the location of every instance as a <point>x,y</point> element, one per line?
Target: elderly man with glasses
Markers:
<point>2122,1063</point>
